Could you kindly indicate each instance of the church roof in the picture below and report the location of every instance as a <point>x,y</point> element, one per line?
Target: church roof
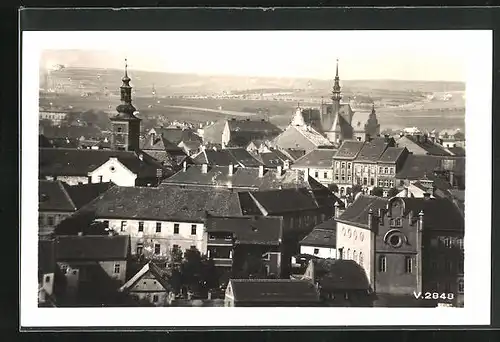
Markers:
<point>349,149</point>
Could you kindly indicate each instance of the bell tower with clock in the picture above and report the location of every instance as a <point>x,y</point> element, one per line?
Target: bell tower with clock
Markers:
<point>125,126</point>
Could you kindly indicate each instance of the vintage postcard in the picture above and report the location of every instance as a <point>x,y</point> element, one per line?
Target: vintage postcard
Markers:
<point>255,178</point>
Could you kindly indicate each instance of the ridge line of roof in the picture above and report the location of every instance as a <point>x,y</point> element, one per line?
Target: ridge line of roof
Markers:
<point>66,194</point>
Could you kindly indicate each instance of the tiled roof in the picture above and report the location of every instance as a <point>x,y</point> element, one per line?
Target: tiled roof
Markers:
<point>78,162</point>
<point>293,154</point>
<point>321,238</point>
<point>313,136</point>
<point>273,158</point>
<point>419,166</point>
<point>431,148</point>
<point>273,291</point>
<point>391,155</point>
<point>318,158</point>
<point>372,150</point>
<point>242,178</point>
<point>85,193</point>
<point>235,156</point>
<point>286,200</point>
<point>261,126</point>
<point>340,275</point>
<point>159,143</point>
<point>176,135</point>
<point>262,230</point>
<point>74,132</point>
<point>92,248</point>
<point>213,133</point>
<point>243,157</point>
<point>52,196</point>
<point>150,268</point>
<point>357,212</point>
<point>349,149</point>
<point>457,151</point>
<point>330,224</point>
<point>439,213</point>
<point>248,205</point>
<point>164,204</point>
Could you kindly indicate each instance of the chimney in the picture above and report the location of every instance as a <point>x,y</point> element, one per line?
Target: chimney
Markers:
<point>336,215</point>
<point>370,218</point>
<point>184,166</point>
<point>452,178</point>
<point>231,170</point>
<point>405,192</point>
<point>204,168</point>
<point>261,171</point>
<point>421,220</point>
<point>280,171</point>
<point>152,135</point>
<point>141,157</point>
<point>341,253</point>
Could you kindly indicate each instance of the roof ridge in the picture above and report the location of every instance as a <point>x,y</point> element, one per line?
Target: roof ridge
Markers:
<point>66,194</point>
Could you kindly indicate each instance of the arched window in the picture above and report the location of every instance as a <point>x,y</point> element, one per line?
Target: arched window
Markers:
<point>355,255</point>
<point>360,259</point>
<point>348,254</point>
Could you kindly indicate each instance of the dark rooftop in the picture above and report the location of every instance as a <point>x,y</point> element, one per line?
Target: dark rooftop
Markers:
<point>321,238</point>
<point>85,193</point>
<point>273,291</point>
<point>46,257</point>
<point>72,132</point>
<point>457,151</point>
<point>53,196</point>
<point>419,166</point>
<point>294,154</point>
<point>92,248</point>
<point>318,158</point>
<point>340,275</point>
<point>357,212</point>
<point>349,149</point>
<point>225,157</point>
<point>286,200</point>
<point>391,154</point>
<point>425,143</point>
<point>166,203</point>
<point>372,150</point>
<point>263,230</point>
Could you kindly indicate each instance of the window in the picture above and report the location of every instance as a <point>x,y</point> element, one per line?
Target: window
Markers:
<point>386,183</point>
<point>382,263</point>
<point>372,181</point>
<point>316,251</point>
<point>348,166</point>
<point>355,256</point>
<point>408,264</point>
<point>392,170</point>
<point>117,268</point>
<point>155,298</point>
<point>158,227</point>
<point>365,181</point>
<point>336,177</point>
<point>100,179</point>
<point>349,179</point>
<point>380,170</point>
<point>316,174</point>
<point>139,249</point>
<point>386,170</point>
<point>64,269</point>
<point>47,279</point>
<point>193,229</point>
<point>106,223</point>
<point>74,272</point>
<point>361,258</point>
<point>40,220</point>
<point>380,183</point>
<point>460,243</point>
<point>141,226</point>
<point>123,226</point>
<point>447,242</point>
<point>398,222</point>
<point>176,228</point>
<point>343,178</point>
<point>461,267</point>
<point>193,247</point>
<point>50,220</point>
<point>118,129</point>
<point>157,248</point>
<point>348,254</point>
<point>325,174</point>
<point>461,286</point>
<point>391,184</point>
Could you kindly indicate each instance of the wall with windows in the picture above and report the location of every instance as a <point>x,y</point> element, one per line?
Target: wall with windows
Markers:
<point>148,288</point>
<point>365,174</point>
<point>48,220</point>
<point>324,176</point>
<point>355,243</point>
<point>343,175</point>
<point>386,176</point>
<point>321,252</point>
<point>157,238</point>
<point>76,272</point>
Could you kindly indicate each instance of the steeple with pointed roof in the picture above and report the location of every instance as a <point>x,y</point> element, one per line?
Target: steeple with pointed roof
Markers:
<point>298,118</point>
<point>336,95</point>
<point>125,109</point>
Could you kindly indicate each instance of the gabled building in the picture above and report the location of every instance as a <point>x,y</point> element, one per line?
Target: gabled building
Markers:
<point>239,133</point>
<point>365,163</point>
<point>57,201</point>
<point>321,241</point>
<point>406,245</point>
<point>319,164</point>
<point>341,283</point>
<point>150,284</point>
<point>232,241</point>
<point>389,164</point>
<point>274,158</point>
<point>226,157</point>
<point>344,165</point>
<point>94,266</point>
<point>271,293</point>
<point>421,144</point>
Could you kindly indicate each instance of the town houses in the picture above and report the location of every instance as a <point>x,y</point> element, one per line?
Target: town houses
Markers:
<point>224,215</point>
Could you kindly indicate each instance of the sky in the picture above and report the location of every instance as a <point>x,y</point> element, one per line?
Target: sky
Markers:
<point>404,55</point>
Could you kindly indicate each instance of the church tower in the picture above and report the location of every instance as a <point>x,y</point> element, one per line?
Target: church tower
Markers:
<point>372,127</point>
<point>298,118</point>
<point>336,95</point>
<point>125,126</point>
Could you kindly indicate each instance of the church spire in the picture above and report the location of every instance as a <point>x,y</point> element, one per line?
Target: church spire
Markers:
<point>126,109</point>
<point>336,96</point>
<point>298,118</point>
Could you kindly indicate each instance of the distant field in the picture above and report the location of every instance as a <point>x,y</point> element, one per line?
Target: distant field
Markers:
<point>279,112</point>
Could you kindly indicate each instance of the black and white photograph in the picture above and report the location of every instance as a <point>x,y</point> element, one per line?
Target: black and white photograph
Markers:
<point>184,172</point>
